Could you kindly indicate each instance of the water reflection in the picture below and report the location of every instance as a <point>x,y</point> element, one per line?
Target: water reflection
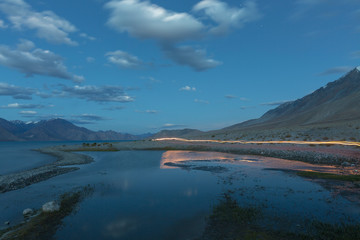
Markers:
<point>135,199</point>
<point>120,227</point>
<point>191,192</point>
<point>216,162</point>
<point>175,157</point>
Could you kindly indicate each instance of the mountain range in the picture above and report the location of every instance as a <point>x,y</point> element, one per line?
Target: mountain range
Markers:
<point>331,111</point>
<point>56,130</point>
<point>187,132</point>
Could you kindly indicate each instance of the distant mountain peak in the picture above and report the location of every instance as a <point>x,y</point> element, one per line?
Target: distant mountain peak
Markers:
<point>354,71</point>
<point>17,122</point>
<point>56,119</point>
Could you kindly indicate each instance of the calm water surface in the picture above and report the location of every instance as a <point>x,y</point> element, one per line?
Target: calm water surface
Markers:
<point>166,195</point>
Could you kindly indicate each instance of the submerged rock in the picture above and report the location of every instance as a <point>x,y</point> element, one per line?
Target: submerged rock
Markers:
<point>28,212</point>
<point>50,207</point>
<point>345,164</point>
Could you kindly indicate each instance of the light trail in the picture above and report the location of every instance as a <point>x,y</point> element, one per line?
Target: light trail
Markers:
<point>341,143</point>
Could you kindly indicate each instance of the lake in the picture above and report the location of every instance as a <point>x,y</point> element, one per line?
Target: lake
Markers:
<point>168,194</point>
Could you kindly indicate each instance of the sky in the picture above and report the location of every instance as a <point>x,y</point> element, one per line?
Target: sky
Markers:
<point>143,66</point>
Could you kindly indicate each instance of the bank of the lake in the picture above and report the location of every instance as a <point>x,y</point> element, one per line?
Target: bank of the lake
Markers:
<point>169,194</point>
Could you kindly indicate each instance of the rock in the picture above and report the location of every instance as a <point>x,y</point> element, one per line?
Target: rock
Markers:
<point>345,164</point>
<point>50,207</point>
<point>28,212</point>
<point>7,223</point>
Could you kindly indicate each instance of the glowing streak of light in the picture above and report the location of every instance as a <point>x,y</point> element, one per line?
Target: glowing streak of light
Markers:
<point>342,143</point>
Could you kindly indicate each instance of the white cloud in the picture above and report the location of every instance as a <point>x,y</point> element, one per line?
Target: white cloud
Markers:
<point>227,17</point>
<point>97,94</point>
<point>201,101</point>
<point>194,58</point>
<point>123,59</point>
<point>148,111</point>
<point>336,70</point>
<point>47,24</point>
<point>355,54</point>
<point>188,88</point>
<point>149,21</point>
<point>144,20</point>
<point>25,45</point>
<point>90,59</point>
<point>16,92</point>
<point>78,79</point>
<point>84,35</point>
<point>152,111</point>
<point>24,106</point>
<point>36,61</point>
<point>230,96</point>
<point>152,80</point>
<point>28,112</point>
<point>311,2</point>
<point>2,24</point>
<point>112,108</point>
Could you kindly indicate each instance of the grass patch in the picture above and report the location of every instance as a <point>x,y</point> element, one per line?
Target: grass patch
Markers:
<point>324,231</point>
<point>93,149</point>
<point>228,211</point>
<point>331,176</point>
<point>230,221</point>
<point>44,225</point>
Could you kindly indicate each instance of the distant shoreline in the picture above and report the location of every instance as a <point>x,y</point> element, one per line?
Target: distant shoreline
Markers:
<point>66,156</point>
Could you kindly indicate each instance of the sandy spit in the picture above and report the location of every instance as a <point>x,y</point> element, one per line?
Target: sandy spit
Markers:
<point>333,155</point>
<point>25,178</point>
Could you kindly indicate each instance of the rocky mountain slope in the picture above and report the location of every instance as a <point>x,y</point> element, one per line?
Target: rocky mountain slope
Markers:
<point>336,102</point>
<point>331,112</point>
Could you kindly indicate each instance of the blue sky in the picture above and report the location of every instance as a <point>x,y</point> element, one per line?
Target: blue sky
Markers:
<point>143,66</point>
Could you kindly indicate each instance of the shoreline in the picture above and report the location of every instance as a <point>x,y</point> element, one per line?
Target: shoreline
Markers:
<point>14,181</point>
<point>332,155</point>
<point>66,157</point>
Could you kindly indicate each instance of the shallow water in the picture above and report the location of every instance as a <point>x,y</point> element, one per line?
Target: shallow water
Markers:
<point>18,156</point>
<point>137,195</point>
